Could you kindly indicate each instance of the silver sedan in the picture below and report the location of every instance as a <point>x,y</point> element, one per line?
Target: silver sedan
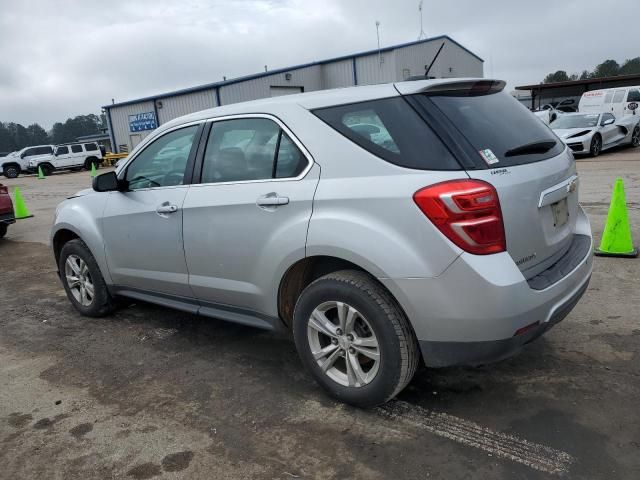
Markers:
<point>592,133</point>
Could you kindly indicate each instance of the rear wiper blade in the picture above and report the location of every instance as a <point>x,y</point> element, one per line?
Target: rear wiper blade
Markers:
<point>530,148</point>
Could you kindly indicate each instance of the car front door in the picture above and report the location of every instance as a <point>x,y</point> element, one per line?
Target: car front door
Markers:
<point>246,220</point>
<point>142,227</point>
<point>61,157</point>
<point>609,132</point>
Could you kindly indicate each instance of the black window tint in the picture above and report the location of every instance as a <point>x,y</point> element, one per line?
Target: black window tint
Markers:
<point>30,152</point>
<point>76,148</point>
<point>43,150</point>
<point>391,130</point>
<point>634,96</point>
<point>163,162</point>
<point>90,147</point>
<point>497,126</point>
<point>290,161</point>
<point>62,150</point>
<point>239,150</point>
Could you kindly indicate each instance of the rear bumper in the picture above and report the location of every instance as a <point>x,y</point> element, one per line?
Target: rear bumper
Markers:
<point>443,354</point>
<point>7,218</point>
<point>470,314</point>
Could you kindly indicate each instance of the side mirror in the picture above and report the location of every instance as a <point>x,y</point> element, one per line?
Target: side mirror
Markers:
<point>22,155</point>
<point>107,182</point>
<point>608,121</point>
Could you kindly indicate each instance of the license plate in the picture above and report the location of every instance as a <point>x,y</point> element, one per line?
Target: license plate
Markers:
<point>560,212</point>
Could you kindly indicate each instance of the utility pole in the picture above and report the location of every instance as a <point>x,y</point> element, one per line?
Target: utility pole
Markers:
<point>378,35</point>
<point>423,34</point>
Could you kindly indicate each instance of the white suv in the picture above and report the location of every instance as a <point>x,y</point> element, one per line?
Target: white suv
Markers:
<point>18,162</point>
<point>68,156</point>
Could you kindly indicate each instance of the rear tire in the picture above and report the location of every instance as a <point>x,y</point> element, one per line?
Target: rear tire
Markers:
<point>47,170</point>
<point>90,161</point>
<point>86,289</point>
<point>596,146</point>
<point>3,229</point>
<point>365,323</point>
<point>11,171</point>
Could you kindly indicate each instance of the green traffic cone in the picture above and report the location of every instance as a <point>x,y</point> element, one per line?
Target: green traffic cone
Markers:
<point>40,173</point>
<point>20,208</point>
<point>616,238</point>
<point>93,170</point>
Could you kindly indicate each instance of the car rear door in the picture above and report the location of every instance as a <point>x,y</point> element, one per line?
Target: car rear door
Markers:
<point>246,221</point>
<point>532,171</point>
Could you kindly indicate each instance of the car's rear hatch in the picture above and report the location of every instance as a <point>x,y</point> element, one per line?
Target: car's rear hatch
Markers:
<point>500,142</point>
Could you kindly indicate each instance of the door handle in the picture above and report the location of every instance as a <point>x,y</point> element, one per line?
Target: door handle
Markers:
<point>272,200</point>
<point>167,208</point>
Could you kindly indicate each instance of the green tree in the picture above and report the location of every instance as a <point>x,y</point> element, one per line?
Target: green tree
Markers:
<point>631,67</point>
<point>608,68</point>
<point>75,127</point>
<point>37,135</point>
<point>559,76</point>
<point>585,75</point>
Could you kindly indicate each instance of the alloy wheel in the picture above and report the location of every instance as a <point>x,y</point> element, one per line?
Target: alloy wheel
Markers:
<point>343,344</point>
<point>595,146</point>
<point>79,280</point>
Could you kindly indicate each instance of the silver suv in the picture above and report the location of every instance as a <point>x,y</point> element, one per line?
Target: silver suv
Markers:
<point>434,220</point>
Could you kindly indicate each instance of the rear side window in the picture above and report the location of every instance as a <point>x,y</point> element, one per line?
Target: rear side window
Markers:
<point>90,147</point>
<point>499,128</point>
<point>392,130</point>
<point>76,148</point>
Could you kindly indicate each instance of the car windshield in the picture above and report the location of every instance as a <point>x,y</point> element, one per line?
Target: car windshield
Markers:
<point>576,121</point>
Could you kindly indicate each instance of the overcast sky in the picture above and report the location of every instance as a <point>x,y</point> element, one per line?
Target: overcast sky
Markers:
<point>61,58</point>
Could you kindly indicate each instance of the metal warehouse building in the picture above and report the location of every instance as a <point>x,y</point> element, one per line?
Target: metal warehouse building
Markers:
<point>129,122</point>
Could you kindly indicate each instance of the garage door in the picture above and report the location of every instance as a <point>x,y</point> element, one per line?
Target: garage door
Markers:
<point>278,91</point>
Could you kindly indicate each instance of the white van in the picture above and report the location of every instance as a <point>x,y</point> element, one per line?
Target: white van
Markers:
<point>68,156</point>
<point>619,101</point>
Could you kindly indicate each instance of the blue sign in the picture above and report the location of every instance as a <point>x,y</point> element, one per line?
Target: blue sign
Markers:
<point>142,121</point>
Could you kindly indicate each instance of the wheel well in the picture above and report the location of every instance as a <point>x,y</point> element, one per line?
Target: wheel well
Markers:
<point>11,164</point>
<point>90,160</point>
<point>303,273</point>
<point>59,239</point>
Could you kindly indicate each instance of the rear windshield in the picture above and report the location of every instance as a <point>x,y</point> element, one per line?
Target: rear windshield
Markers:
<point>499,128</point>
<point>390,129</point>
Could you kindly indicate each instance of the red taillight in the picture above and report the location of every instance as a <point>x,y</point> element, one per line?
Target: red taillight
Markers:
<point>467,212</point>
<point>4,190</point>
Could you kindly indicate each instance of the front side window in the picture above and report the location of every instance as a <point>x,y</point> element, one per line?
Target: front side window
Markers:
<point>250,149</point>
<point>163,162</point>
<point>634,96</point>
<point>76,148</point>
<point>44,150</point>
<point>62,150</point>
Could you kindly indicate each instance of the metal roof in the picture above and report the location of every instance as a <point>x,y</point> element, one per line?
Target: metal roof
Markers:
<point>254,76</point>
<point>575,83</point>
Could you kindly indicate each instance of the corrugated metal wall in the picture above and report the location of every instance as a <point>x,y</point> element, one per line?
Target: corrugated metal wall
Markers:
<point>120,123</point>
<point>337,74</point>
<point>173,107</point>
<point>396,65</point>
<point>308,77</point>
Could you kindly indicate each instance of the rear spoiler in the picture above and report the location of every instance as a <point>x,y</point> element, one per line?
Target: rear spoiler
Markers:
<point>458,88</point>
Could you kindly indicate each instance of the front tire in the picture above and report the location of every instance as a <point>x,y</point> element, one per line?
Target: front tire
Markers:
<point>354,339</point>
<point>596,146</point>
<point>11,171</point>
<point>635,137</point>
<point>82,280</point>
<point>3,229</point>
<point>47,170</point>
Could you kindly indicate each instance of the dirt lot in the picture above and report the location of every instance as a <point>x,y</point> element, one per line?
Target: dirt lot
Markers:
<point>153,393</point>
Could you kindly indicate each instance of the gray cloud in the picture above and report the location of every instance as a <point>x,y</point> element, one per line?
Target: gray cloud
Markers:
<point>63,58</point>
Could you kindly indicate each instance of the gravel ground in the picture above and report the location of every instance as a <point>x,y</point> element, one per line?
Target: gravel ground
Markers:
<point>153,393</point>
